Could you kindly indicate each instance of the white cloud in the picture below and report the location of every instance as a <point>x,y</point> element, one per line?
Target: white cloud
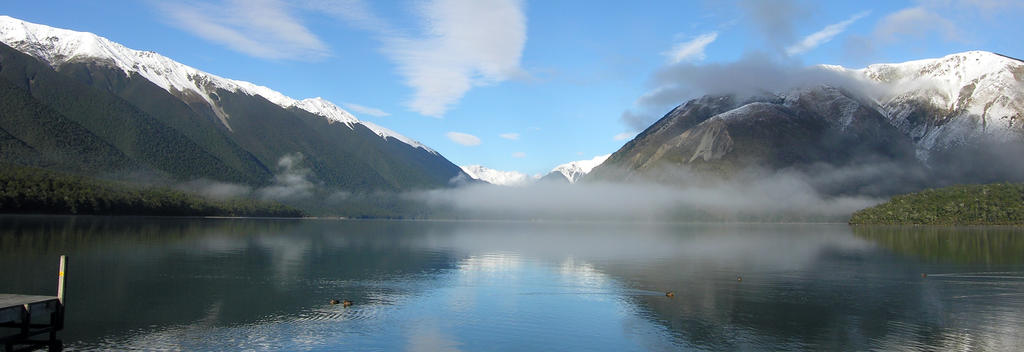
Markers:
<point>519,155</point>
<point>465,43</point>
<point>624,136</point>
<point>691,50</point>
<point>463,138</point>
<point>260,28</point>
<point>509,136</point>
<point>365,110</point>
<point>461,44</point>
<point>751,75</point>
<point>823,36</point>
<point>916,22</point>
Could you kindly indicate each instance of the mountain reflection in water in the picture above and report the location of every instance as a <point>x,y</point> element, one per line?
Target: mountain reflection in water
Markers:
<point>214,284</point>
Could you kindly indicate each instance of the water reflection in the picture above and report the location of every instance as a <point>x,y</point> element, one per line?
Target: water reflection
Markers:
<point>971,245</point>
<point>205,284</point>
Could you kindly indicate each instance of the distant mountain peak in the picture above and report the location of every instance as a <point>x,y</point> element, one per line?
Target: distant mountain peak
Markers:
<point>57,46</point>
<point>575,170</point>
<point>496,177</point>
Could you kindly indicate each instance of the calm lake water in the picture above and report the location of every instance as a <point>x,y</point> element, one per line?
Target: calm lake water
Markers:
<point>229,284</point>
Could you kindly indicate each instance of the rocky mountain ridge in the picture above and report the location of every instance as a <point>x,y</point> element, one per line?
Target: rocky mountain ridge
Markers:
<point>76,102</point>
<point>957,118</point>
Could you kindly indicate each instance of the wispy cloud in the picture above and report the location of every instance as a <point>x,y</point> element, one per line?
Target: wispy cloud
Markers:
<point>464,44</point>
<point>365,110</point>
<point>691,50</point>
<point>624,136</point>
<point>935,21</point>
<point>754,74</point>
<point>355,13</point>
<point>460,44</point>
<point>291,182</point>
<point>519,155</point>
<point>261,28</point>
<point>823,36</point>
<point>457,45</point>
<point>465,139</point>
<point>509,136</point>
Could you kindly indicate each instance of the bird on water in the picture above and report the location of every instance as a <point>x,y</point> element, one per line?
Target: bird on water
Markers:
<point>344,303</point>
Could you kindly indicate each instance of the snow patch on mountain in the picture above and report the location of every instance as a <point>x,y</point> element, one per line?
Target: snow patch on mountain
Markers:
<point>575,170</point>
<point>385,133</point>
<point>58,46</point>
<point>971,95</point>
<point>497,177</point>
<point>322,107</point>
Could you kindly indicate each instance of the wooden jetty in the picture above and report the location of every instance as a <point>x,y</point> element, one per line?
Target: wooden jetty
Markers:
<point>30,316</point>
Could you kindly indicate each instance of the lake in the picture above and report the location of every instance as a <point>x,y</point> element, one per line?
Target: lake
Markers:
<point>255,284</point>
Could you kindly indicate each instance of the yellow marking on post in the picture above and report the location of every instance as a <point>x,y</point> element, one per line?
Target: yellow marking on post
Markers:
<point>60,273</point>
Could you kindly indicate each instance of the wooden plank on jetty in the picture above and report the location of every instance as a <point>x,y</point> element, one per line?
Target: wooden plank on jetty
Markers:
<point>24,313</point>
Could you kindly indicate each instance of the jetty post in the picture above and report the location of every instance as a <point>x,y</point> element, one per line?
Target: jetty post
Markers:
<point>17,312</point>
<point>57,316</point>
<point>60,279</point>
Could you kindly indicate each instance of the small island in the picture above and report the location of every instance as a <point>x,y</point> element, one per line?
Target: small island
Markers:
<point>989,204</point>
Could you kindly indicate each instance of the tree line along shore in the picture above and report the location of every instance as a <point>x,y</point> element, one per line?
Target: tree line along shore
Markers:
<point>986,204</point>
<point>26,190</point>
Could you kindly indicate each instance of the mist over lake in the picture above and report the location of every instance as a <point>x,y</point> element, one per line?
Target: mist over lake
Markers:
<point>512,175</point>
<point>223,284</point>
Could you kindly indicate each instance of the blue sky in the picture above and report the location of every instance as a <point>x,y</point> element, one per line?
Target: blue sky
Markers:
<point>522,85</point>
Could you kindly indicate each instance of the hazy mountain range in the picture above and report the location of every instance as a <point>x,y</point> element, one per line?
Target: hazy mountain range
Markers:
<point>565,173</point>
<point>497,177</point>
<point>77,102</point>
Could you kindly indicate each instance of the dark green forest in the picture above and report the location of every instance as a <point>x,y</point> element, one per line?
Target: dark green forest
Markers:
<point>991,204</point>
<point>90,118</point>
<point>26,190</point>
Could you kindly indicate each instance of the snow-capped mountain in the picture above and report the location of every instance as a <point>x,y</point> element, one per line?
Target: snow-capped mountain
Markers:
<point>497,177</point>
<point>969,95</point>
<point>57,46</point>
<point>570,172</point>
<point>574,170</point>
<point>955,119</point>
<point>84,104</point>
